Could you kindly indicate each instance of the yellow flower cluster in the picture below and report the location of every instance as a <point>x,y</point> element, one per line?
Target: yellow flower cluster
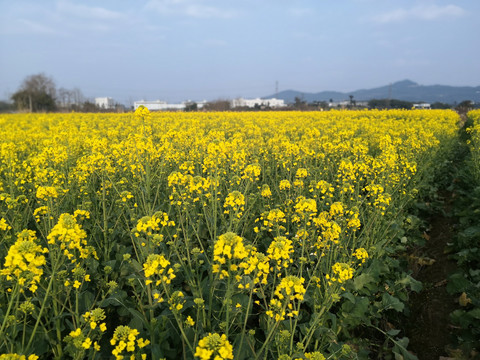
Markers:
<point>18,357</point>
<point>290,287</point>
<point>3,225</point>
<point>94,317</point>
<point>157,266</point>
<point>305,209</point>
<point>83,338</point>
<point>187,188</point>
<point>361,254</point>
<point>266,192</point>
<point>341,273</point>
<point>274,218</point>
<point>46,192</point>
<point>124,339</point>
<point>24,261</point>
<point>336,209</point>
<point>252,172</point>
<point>315,355</point>
<point>142,113</point>
<point>228,247</point>
<point>281,251</point>
<point>326,189</point>
<point>176,301</point>
<point>284,185</point>
<point>330,230</point>
<point>301,173</point>
<point>70,238</point>
<point>39,212</point>
<point>474,142</point>
<point>257,263</point>
<point>214,346</point>
<point>235,201</point>
<point>81,214</point>
<point>287,291</point>
<point>81,342</point>
<point>149,224</point>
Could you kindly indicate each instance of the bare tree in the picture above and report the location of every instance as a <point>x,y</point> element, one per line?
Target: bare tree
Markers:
<point>77,96</point>
<point>39,83</point>
<point>62,97</point>
<point>217,105</point>
<point>36,93</point>
<point>70,99</point>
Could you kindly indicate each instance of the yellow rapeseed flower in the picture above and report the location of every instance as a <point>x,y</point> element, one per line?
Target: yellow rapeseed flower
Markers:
<point>214,346</point>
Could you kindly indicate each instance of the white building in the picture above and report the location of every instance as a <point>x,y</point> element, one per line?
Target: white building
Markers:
<point>156,105</point>
<point>105,102</point>
<point>346,103</point>
<point>251,103</point>
<point>422,106</point>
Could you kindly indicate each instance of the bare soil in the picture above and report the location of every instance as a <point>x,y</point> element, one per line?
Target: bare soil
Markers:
<point>429,328</point>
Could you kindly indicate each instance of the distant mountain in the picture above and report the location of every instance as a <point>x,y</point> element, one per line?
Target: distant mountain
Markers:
<point>406,90</point>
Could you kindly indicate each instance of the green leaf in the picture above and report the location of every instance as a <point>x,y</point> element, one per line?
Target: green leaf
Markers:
<point>474,273</point>
<point>87,299</point>
<point>363,279</point>
<point>356,313</point>
<point>459,317</point>
<point>391,302</point>
<point>116,299</point>
<point>415,285</point>
<point>475,313</point>
<point>377,268</point>
<point>400,350</point>
<point>349,296</point>
<point>136,265</point>
<point>472,231</point>
<point>393,332</point>
<point>457,283</point>
<point>138,319</point>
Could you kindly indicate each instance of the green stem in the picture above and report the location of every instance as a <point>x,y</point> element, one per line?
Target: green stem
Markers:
<point>179,321</point>
<point>244,329</point>
<point>267,340</point>
<point>10,304</point>
<point>24,329</point>
<point>50,283</point>
<point>106,250</point>
<point>152,315</point>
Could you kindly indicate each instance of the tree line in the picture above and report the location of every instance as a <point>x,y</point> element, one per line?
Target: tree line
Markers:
<point>38,93</point>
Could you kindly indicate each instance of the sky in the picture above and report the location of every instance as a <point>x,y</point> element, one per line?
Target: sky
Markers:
<point>177,50</point>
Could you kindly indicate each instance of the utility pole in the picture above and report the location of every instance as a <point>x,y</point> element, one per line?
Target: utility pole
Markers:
<point>389,95</point>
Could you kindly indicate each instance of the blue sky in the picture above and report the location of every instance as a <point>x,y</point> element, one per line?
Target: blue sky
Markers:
<point>208,49</point>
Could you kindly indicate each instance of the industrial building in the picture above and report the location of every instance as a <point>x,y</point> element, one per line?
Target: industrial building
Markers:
<point>158,105</point>
<point>105,103</point>
<point>251,103</point>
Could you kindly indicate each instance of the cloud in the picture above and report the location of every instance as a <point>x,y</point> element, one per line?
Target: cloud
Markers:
<point>25,26</point>
<point>435,12</point>
<point>392,16</point>
<point>189,8</point>
<point>31,26</point>
<point>421,12</point>
<point>201,11</point>
<point>84,11</point>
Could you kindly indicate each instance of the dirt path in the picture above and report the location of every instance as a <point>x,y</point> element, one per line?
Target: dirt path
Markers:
<point>429,328</point>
